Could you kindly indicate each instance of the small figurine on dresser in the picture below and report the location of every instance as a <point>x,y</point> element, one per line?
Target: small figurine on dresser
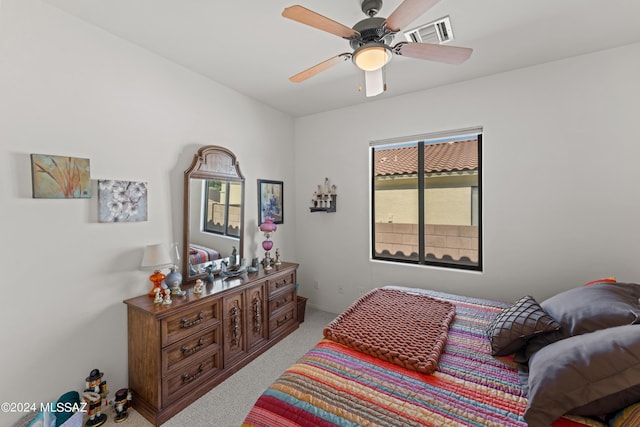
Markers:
<point>157,299</point>
<point>95,392</point>
<point>121,404</point>
<point>233,259</point>
<point>167,297</point>
<point>210,277</point>
<point>266,262</point>
<point>278,262</point>
<point>197,288</point>
<point>255,263</point>
<point>176,290</point>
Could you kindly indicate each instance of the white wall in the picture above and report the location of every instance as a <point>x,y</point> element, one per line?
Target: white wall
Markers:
<point>560,184</point>
<point>561,176</point>
<point>67,88</point>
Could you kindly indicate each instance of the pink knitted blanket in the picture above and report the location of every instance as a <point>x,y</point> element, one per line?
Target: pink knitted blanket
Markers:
<point>406,329</point>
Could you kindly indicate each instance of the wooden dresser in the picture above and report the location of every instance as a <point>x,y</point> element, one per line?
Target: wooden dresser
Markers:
<point>179,352</point>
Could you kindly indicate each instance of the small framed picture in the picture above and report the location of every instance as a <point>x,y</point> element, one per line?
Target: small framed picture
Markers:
<point>60,177</point>
<point>122,201</point>
<point>270,201</point>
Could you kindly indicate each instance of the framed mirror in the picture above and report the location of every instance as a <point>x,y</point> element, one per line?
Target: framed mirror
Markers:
<point>213,210</point>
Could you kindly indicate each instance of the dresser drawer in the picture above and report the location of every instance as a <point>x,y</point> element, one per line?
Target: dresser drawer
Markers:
<point>280,301</point>
<point>181,353</point>
<point>189,322</point>
<point>281,282</point>
<point>191,376</point>
<point>282,320</point>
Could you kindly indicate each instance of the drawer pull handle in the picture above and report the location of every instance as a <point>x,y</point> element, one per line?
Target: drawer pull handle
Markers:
<point>257,315</point>
<point>282,302</point>
<point>235,326</point>
<point>283,320</point>
<point>184,323</point>
<point>186,378</point>
<point>186,351</point>
<point>281,284</point>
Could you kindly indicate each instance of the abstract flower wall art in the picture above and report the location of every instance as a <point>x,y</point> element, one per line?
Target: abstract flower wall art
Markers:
<point>122,201</point>
<point>60,177</point>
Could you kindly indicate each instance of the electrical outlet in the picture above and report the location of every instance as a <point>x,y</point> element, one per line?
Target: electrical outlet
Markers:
<point>316,285</point>
<point>340,290</point>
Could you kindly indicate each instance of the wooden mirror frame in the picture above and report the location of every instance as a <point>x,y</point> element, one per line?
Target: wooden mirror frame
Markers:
<point>210,162</point>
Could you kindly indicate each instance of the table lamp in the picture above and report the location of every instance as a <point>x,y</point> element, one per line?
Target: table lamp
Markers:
<point>156,257</point>
<point>267,227</point>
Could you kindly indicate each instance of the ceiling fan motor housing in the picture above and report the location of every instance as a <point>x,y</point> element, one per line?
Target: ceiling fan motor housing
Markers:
<point>371,30</point>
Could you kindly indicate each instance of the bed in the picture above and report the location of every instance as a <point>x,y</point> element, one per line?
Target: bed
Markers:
<point>338,384</point>
<point>200,254</point>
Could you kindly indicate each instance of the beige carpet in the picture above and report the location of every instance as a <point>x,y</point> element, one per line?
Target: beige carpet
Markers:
<point>228,403</point>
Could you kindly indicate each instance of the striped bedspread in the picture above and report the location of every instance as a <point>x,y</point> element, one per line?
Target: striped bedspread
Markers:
<point>333,385</point>
<point>199,254</point>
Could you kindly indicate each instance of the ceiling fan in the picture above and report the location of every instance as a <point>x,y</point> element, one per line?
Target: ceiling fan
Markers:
<point>370,40</point>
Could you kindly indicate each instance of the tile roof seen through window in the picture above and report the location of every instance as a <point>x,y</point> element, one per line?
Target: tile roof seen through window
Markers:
<point>440,157</point>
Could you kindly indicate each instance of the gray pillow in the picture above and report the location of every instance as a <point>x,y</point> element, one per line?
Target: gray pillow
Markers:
<point>591,374</point>
<point>514,325</point>
<point>587,309</point>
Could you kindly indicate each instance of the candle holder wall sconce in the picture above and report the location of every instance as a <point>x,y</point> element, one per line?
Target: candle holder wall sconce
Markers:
<point>324,198</point>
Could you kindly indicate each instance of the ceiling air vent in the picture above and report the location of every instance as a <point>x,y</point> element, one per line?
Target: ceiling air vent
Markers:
<point>437,32</point>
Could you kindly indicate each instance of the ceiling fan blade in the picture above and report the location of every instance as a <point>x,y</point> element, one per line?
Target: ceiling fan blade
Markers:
<point>310,72</point>
<point>308,17</point>
<point>374,82</point>
<point>433,52</point>
<point>408,11</point>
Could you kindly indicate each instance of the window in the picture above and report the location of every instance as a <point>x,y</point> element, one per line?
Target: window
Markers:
<point>222,207</point>
<point>427,200</point>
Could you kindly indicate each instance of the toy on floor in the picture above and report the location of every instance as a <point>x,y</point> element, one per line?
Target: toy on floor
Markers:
<point>121,404</point>
<point>95,392</point>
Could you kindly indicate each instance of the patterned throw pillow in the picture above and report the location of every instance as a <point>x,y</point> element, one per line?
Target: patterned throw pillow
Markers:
<point>511,329</point>
<point>627,417</point>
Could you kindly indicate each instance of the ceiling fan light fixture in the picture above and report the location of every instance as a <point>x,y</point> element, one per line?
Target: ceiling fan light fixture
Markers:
<point>371,56</point>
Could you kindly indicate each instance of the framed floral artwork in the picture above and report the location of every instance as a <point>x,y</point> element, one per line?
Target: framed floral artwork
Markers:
<point>270,201</point>
<point>122,201</point>
<point>60,177</point>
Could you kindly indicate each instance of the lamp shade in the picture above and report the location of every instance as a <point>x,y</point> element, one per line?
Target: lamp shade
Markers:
<point>268,226</point>
<point>371,57</point>
<point>156,257</point>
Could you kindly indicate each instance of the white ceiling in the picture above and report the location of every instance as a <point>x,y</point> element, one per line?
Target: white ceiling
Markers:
<point>250,47</point>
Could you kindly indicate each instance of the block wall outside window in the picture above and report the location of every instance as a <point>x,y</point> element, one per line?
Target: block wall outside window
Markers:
<point>456,241</point>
